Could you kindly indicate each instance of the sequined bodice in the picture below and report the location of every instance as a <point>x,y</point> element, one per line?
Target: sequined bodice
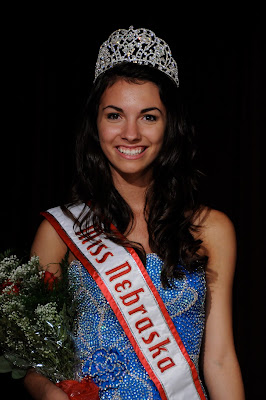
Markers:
<point>104,350</point>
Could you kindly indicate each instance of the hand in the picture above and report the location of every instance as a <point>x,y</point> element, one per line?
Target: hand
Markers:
<point>54,393</point>
<point>41,388</point>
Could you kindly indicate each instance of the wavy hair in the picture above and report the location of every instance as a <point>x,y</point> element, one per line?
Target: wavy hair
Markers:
<point>171,206</point>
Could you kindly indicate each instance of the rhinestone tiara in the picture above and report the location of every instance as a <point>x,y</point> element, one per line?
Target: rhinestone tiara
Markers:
<point>140,46</point>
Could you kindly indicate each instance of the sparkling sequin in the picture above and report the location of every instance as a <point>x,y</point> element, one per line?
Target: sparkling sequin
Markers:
<point>103,348</point>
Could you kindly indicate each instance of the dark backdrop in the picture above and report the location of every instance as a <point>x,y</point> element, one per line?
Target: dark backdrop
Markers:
<point>49,61</point>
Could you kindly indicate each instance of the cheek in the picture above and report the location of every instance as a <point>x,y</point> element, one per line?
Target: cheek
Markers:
<point>157,136</point>
<point>107,133</point>
<point>106,138</point>
<point>103,140</point>
<point>161,135</point>
<point>103,134</point>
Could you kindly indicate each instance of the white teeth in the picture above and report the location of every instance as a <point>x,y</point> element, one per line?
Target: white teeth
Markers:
<point>130,152</point>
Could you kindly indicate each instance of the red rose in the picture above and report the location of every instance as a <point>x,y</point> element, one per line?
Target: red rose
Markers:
<point>13,290</point>
<point>50,280</point>
<point>84,390</point>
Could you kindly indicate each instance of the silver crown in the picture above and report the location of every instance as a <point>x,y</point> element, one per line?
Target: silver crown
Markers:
<point>140,46</point>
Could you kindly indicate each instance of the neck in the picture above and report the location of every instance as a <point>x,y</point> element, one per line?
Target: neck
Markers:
<point>133,189</point>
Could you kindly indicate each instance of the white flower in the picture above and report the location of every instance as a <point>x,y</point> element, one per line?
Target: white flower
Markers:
<point>6,266</point>
<point>47,316</point>
<point>30,331</point>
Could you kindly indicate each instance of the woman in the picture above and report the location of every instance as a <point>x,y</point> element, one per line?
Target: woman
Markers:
<point>136,214</point>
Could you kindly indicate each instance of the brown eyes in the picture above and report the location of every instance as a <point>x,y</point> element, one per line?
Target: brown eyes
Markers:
<point>113,116</point>
<point>146,117</point>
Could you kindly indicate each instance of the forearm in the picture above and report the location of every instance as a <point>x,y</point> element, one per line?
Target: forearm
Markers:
<point>224,380</point>
<point>41,388</point>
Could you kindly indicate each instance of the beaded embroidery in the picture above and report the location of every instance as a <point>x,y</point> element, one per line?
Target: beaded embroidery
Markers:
<point>104,350</point>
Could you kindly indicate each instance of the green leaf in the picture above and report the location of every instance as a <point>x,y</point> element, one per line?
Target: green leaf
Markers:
<point>18,373</point>
<point>5,365</point>
<point>17,361</point>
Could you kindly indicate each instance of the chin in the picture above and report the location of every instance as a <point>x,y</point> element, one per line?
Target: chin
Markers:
<point>143,175</point>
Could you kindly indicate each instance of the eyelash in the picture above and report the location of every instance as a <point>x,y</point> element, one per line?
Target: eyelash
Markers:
<point>115,116</point>
<point>151,117</point>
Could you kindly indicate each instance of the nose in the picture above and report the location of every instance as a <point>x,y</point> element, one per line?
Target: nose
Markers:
<point>131,132</point>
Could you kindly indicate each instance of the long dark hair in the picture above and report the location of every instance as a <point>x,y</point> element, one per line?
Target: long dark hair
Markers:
<point>171,199</point>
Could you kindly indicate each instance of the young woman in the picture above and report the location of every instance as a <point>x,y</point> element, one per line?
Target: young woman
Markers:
<point>152,269</point>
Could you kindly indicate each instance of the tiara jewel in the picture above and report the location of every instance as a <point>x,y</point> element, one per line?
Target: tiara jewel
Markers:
<point>140,46</point>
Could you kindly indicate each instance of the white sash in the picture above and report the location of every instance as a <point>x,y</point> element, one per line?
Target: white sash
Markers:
<point>140,310</point>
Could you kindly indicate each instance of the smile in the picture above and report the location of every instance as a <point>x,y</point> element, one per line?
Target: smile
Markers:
<point>131,151</point>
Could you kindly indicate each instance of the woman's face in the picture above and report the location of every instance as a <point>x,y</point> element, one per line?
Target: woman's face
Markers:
<point>131,123</point>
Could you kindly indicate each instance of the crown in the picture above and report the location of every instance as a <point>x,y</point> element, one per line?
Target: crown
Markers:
<point>140,46</point>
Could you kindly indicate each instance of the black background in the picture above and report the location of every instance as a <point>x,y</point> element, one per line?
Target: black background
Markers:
<point>48,58</point>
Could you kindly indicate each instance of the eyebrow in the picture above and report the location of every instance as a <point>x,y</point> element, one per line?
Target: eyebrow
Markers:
<point>145,110</point>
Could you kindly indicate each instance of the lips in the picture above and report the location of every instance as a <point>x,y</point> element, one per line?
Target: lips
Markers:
<point>131,151</point>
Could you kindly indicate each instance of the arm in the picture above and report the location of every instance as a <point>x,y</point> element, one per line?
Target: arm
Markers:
<point>220,365</point>
<point>40,388</point>
<point>51,249</point>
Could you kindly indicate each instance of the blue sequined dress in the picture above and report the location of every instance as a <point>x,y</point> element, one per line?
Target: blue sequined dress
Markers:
<point>105,352</point>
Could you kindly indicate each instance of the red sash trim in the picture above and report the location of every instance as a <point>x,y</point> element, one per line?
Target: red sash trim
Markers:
<point>169,322</point>
<point>167,317</point>
<point>92,271</point>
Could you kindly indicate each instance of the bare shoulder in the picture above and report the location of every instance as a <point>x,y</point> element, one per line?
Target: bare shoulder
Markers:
<point>209,217</point>
<point>48,246</point>
<point>218,237</point>
<point>217,231</point>
<point>216,224</point>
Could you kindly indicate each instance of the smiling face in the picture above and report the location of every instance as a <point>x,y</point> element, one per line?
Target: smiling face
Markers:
<point>131,123</point>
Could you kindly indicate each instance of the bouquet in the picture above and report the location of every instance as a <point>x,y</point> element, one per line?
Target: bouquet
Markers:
<point>37,314</point>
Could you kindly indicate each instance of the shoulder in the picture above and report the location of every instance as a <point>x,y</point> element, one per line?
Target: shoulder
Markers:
<point>217,220</point>
<point>218,237</point>
<point>46,232</point>
<point>216,231</point>
<point>48,246</point>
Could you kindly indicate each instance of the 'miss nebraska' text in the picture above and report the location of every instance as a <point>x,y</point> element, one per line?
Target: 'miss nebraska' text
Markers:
<point>130,303</point>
